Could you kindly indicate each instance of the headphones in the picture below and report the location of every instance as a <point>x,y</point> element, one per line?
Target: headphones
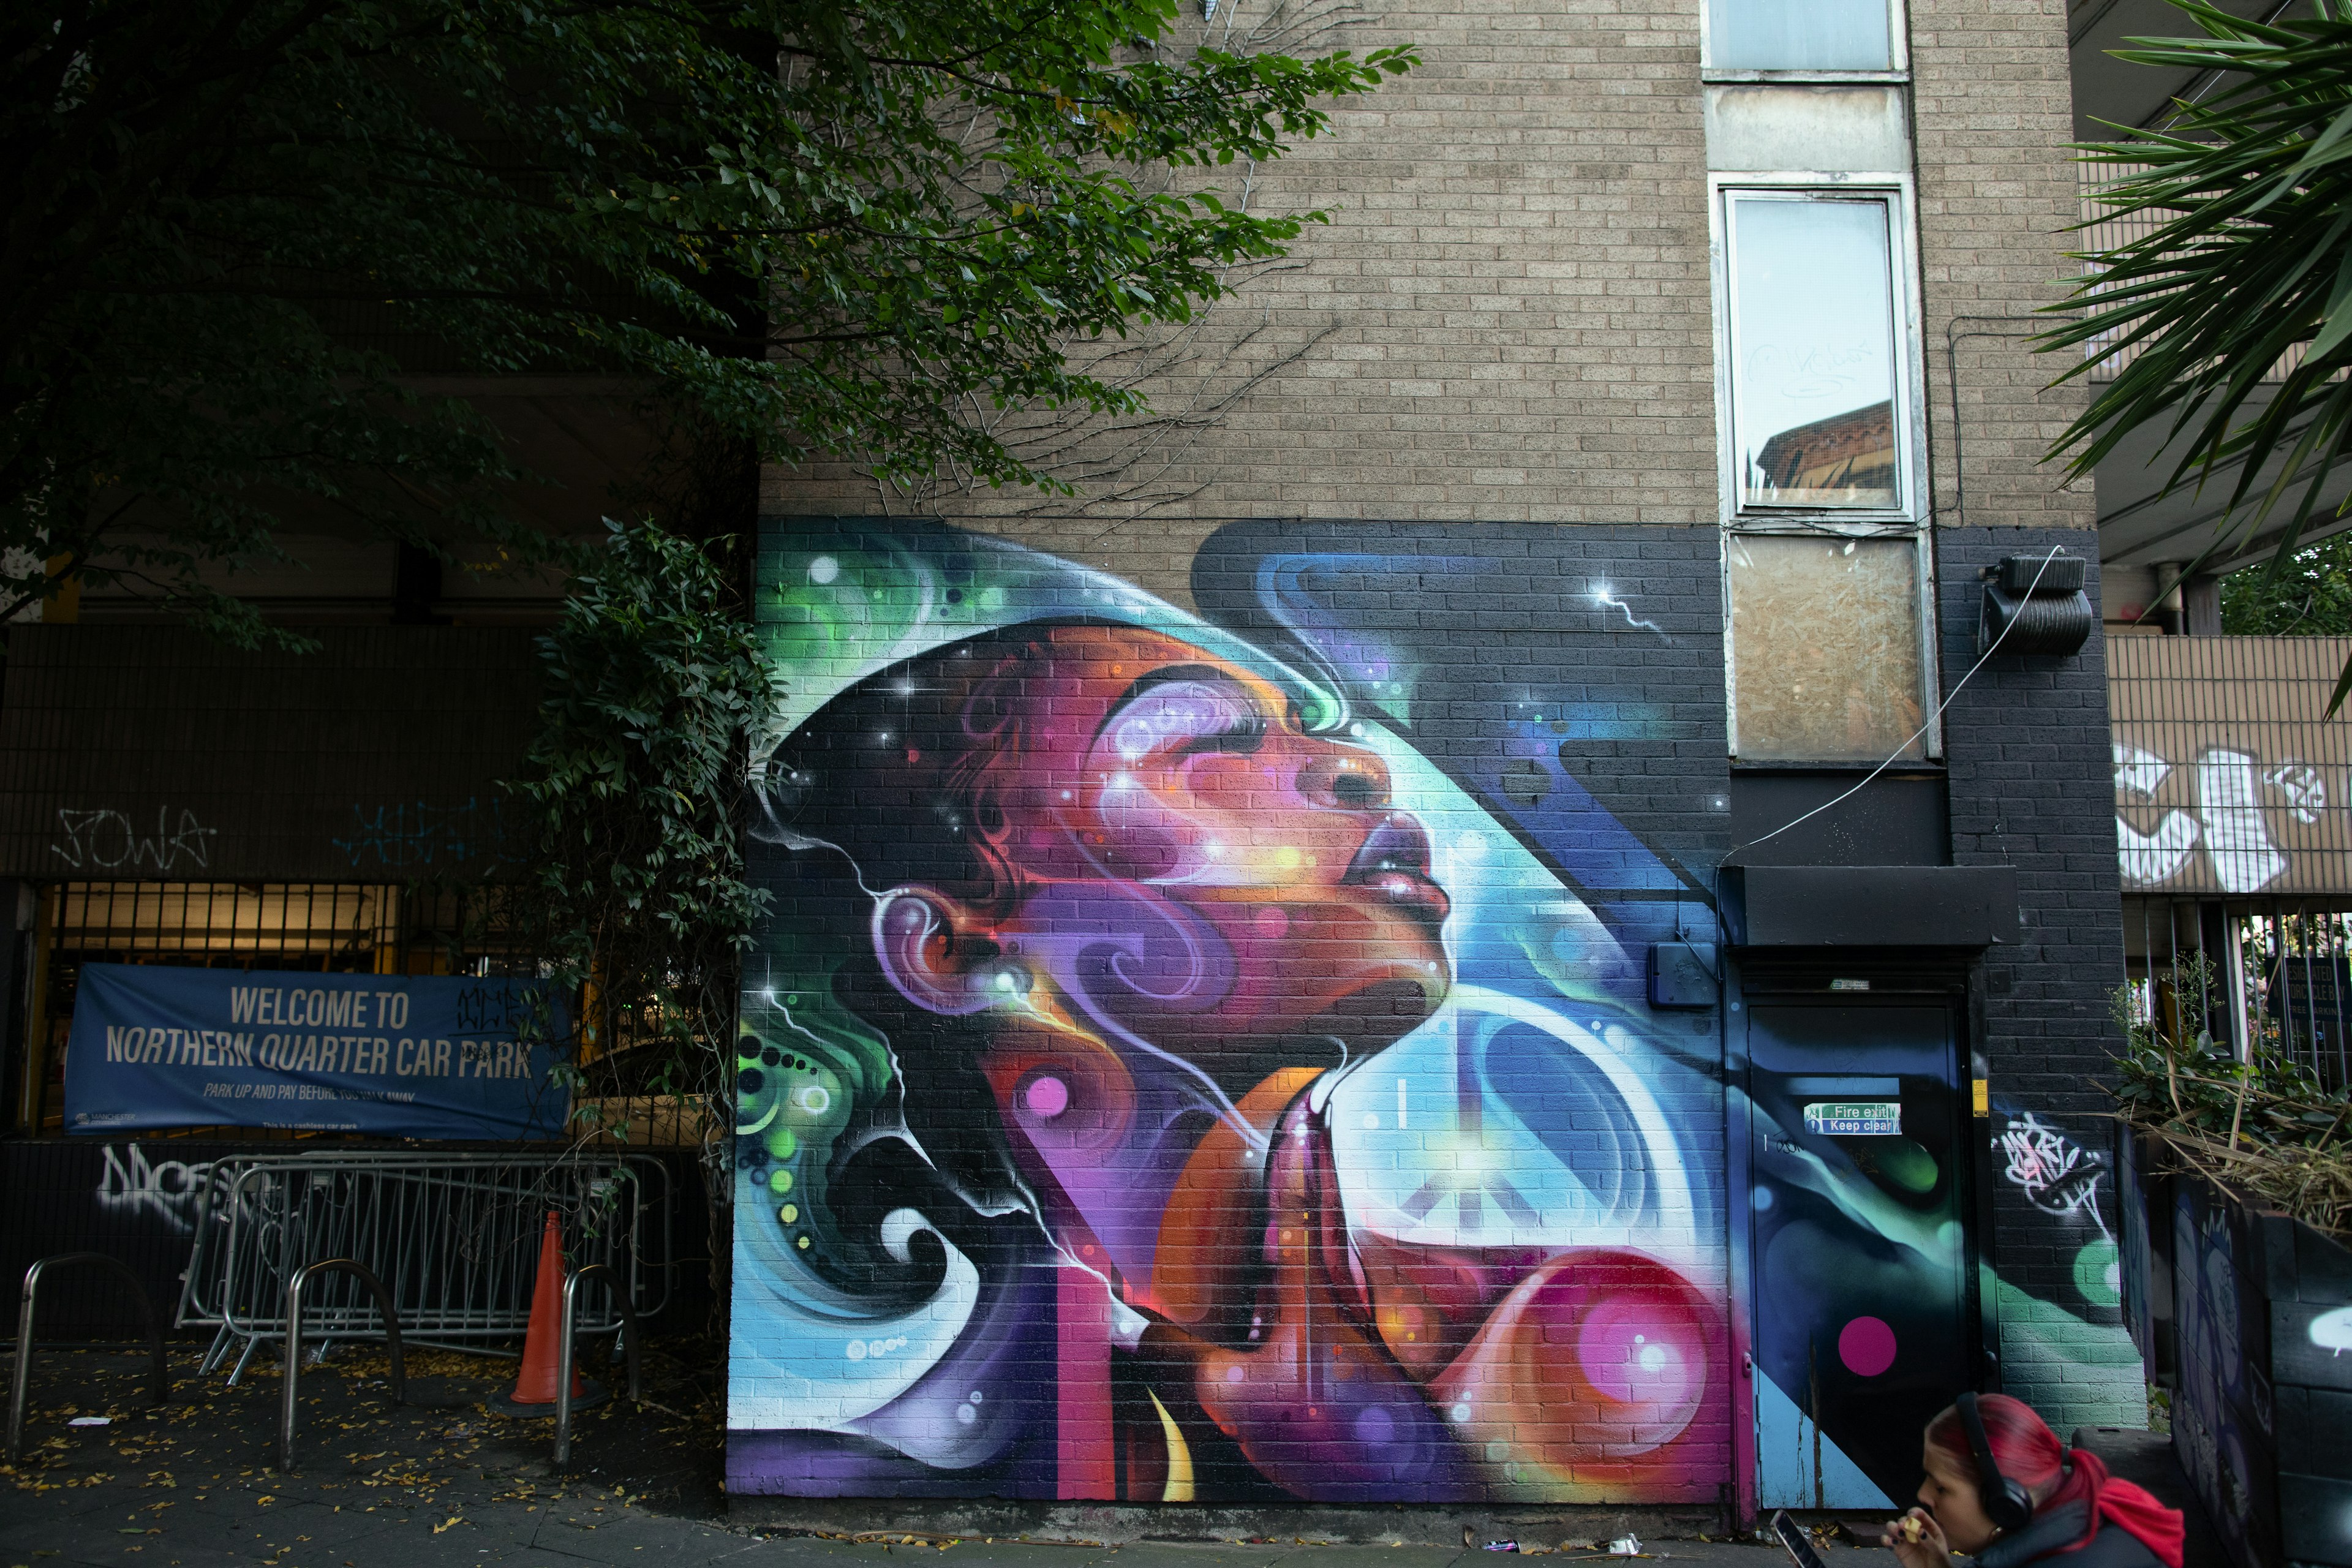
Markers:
<point>2006,1502</point>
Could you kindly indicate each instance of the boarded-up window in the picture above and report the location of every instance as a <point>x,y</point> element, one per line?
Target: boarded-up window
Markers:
<point>1815,410</point>
<point>1825,649</point>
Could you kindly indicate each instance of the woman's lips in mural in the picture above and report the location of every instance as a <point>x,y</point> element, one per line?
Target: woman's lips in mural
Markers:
<point>1394,861</point>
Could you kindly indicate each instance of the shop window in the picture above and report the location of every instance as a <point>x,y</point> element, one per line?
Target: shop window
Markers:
<point>1827,652</point>
<point>1800,36</point>
<point>1817,352</point>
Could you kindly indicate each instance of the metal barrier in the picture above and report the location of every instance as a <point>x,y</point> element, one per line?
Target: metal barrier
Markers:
<point>20,1389</point>
<point>294,1345</point>
<point>454,1237</point>
<point>564,1350</point>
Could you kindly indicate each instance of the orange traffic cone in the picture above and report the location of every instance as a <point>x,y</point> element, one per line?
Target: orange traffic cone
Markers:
<point>537,1383</point>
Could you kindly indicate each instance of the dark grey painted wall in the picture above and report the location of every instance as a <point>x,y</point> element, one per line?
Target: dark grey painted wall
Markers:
<point>156,754</point>
<point>2031,785</point>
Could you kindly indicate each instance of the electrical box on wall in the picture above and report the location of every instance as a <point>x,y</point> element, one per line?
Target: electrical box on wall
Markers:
<point>1682,975</point>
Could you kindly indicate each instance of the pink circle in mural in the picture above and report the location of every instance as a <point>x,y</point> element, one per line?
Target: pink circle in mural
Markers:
<point>1047,1096</point>
<point>1866,1345</point>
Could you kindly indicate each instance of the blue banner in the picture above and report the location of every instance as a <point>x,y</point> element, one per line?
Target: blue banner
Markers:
<point>396,1055</point>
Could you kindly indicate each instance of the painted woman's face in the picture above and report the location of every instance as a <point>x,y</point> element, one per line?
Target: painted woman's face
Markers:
<point>1193,864</point>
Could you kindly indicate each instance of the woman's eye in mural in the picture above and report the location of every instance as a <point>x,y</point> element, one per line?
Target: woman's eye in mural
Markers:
<point>1189,716</point>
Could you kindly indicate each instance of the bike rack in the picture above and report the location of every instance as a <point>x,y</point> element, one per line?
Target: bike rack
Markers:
<point>620,1293</point>
<point>159,1376</point>
<point>294,1344</point>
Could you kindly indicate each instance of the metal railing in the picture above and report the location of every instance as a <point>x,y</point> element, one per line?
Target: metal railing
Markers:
<point>2259,974</point>
<point>564,1352</point>
<point>21,1385</point>
<point>286,1409</point>
<point>453,1238</point>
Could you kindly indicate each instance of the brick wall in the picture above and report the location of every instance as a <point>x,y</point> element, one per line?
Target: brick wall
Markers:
<point>1109,1142</point>
<point>1509,318</point>
<point>1993,114</point>
<point>1055,969</point>
<point>1502,348</point>
<point>155,753</point>
<point>2031,785</point>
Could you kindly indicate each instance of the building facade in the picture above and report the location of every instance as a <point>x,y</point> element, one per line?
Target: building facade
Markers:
<point>1471,920</point>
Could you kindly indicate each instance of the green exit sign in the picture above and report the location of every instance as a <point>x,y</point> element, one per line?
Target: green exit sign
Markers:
<point>1855,1117</point>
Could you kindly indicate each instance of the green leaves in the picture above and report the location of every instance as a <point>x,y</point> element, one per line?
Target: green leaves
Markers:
<point>2311,597</point>
<point>628,794</point>
<point>630,890</point>
<point>2195,1087</point>
<point>2246,257</point>
<point>2266,1125</point>
<point>233,224</point>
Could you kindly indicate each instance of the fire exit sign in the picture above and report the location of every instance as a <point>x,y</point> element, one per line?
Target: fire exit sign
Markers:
<point>1855,1117</point>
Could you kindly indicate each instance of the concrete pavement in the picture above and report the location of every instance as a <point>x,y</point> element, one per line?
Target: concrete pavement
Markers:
<point>440,1483</point>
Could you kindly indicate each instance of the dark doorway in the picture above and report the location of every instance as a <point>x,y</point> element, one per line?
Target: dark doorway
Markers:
<point>1857,1128</point>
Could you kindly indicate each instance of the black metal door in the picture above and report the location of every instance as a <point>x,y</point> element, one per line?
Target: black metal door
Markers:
<point>1858,1160</point>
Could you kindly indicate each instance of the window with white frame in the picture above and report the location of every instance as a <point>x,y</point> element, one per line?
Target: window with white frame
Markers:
<point>1841,36</point>
<point>1826,576</point>
<point>1818,361</point>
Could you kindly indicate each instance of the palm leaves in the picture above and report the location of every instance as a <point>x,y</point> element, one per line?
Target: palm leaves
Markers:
<point>2244,273</point>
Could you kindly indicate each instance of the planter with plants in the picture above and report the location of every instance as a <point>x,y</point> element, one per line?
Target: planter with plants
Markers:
<point>2237,1283</point>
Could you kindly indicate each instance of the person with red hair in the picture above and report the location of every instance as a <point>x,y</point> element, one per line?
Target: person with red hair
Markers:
<point>2079,1517</point>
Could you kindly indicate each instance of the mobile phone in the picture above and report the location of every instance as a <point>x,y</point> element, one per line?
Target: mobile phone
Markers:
<point>1792,1536</point>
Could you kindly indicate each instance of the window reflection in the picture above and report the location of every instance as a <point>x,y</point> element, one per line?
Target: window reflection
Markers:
<point>1812,351</point>
<point>1798,35</point>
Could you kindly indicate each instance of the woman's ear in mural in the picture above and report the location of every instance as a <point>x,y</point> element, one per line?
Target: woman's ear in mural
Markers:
<point>1069,1094</point>
<point>938,954</point>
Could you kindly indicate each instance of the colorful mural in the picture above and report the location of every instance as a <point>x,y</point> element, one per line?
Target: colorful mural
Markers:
<point>1163,1079</point>
<point>1207,1054</point>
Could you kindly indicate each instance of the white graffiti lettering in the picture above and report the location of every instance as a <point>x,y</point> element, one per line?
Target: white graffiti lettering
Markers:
<point>169,1190</point>
<point>2157,857</point>
<point>2149,858</point>
<point>106,840</point>
<point>2305,791</point>
<point>2051,1170</point>
<point>2228,822</point>
<point>2231,810</point>
<point>2138,773</point>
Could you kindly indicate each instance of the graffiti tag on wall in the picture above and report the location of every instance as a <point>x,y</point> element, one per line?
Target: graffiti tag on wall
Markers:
<point>2232,811</point>
<point>103,839</point>
<point>413,833</point>
<point>2055,1173</point>
<point>132,1185</point>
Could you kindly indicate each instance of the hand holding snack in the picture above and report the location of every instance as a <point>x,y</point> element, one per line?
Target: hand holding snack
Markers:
<point>1917,1540</point>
